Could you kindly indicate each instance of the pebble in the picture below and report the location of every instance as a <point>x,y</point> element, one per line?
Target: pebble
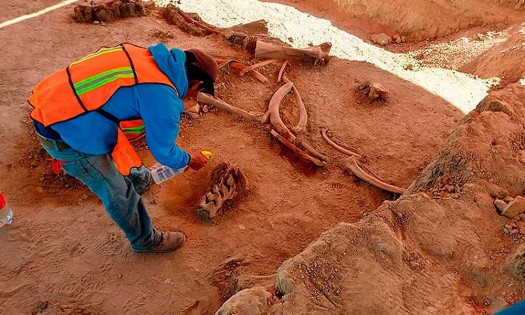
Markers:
<point>508,227</point>
<point>522,216</point>
<point>513,232</point>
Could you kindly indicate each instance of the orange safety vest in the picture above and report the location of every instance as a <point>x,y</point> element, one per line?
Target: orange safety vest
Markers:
<point>87,84</point>
<point>133,129</point>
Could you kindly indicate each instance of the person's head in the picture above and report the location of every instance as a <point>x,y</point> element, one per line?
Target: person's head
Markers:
<point>201,70</point>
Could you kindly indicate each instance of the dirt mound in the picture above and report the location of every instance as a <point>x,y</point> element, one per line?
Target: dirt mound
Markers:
<point>506,60</point>
<point>414,19</point>
<point>435,250</point>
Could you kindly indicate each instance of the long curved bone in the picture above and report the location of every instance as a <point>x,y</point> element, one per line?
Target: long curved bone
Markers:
<point>303,115</point>
<point>277,123</point>
<point>335,145</point>
<point>358,171</point>
<point>374,181</point>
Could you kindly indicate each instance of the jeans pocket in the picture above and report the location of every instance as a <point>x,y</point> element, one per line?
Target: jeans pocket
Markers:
<point>77,170</point>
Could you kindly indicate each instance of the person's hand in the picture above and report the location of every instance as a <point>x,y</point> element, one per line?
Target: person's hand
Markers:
<point>197,160</point>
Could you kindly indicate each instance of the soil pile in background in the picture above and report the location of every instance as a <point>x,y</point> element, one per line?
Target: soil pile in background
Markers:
<point>415,19</point>
<point>506,60</point>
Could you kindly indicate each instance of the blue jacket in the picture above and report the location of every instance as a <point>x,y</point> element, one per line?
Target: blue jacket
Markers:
<point>157,104</point>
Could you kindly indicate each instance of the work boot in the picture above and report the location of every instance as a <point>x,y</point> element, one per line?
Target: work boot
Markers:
<point>170,241</point>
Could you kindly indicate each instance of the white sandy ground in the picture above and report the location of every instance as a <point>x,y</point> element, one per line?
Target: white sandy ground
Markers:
<point>456,53</point>
<point>300,30</point>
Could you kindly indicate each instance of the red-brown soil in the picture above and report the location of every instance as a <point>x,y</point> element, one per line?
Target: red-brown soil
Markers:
<point>64,253</point>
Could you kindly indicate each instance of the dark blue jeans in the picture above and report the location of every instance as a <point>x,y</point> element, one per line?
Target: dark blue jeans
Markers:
<point>119,194</point>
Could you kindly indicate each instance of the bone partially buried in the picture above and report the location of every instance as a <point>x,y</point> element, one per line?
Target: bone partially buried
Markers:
<point>227,182</point>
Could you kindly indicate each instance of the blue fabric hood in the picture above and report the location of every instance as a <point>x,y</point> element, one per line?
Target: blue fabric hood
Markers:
<point>171,63</point>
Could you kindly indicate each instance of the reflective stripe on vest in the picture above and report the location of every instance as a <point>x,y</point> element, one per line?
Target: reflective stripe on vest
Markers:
<point>88,83</point>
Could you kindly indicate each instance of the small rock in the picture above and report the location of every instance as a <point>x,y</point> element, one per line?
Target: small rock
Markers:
<point>396,38</point>
<point>514,232</point>
<point>119,276</point>
<point>522,230</point>
<point>381,39</point>
<point>508,227</point>
<point>506,231</point>
<point>500,205</point>
<point>522,216</point>
<point>515,207</point>
<point>205,108</point>
<point>403,39</point>
<point>377,91</point>
<point>41,306</point>
<point>508,199</point>
<point>409,66</point>
<point>450,189</point>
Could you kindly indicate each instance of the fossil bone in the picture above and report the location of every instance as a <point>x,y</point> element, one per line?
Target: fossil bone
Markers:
<point>277,123</point>
<point>210,100</point>
<point>372,180</point>
<point>227,182</point>
<point>335,145</point>
<point>296,150</point>
<point>320,54</point>
<point>254,73</point>
<point>257,65</point>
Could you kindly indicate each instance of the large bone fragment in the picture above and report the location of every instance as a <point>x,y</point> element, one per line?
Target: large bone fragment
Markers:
<point>320,54</point>
<point>303,115</point>
<point>372,180</point>
<point>227,182</point>
<point>275,118</point>
<point>210,100</point>
<point>277,123</point>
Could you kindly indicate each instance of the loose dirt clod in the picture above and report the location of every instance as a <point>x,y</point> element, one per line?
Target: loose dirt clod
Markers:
<point>227,182</point>
<point>374,91</point>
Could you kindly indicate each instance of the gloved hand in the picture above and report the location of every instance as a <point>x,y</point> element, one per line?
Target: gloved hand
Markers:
<point>197,160</point>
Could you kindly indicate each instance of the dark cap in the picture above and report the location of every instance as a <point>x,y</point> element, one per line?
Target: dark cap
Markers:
<point>201,66</point>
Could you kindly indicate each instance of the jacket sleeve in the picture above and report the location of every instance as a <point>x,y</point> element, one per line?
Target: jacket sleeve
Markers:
<point>161,113</point>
